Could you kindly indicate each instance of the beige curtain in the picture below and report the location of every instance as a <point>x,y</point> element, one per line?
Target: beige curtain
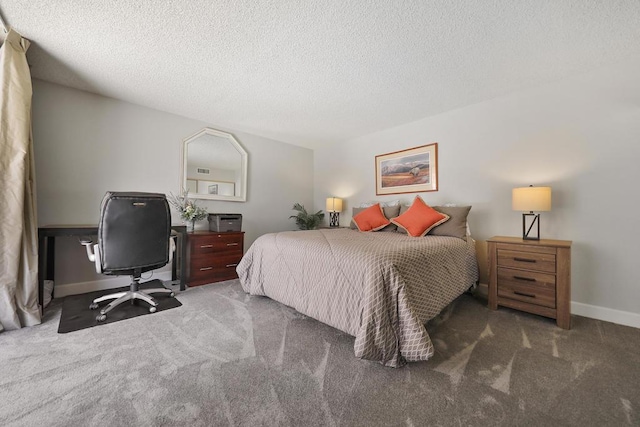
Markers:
<point>18,224</point>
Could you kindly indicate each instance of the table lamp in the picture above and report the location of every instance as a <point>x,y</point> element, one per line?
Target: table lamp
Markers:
<point>530,199</point>
<point>334,207</point>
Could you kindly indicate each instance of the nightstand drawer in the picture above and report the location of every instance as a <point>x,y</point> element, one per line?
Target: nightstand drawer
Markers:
<point>214,268</point>
<point>216,243</point>
<point>220,261</point>
<point>527,286</point>
<point>527,260</point>
<point>212,276</point>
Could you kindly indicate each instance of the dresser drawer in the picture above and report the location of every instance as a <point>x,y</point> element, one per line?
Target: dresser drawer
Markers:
<point>213,268</point>
<point>527,260</point>
<point>218,261</point>
<point>214,243</point>
<point>212,276</point>
<point>527,286</point>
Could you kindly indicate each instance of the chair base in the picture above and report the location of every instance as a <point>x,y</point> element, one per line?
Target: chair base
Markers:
<point>131,295</point>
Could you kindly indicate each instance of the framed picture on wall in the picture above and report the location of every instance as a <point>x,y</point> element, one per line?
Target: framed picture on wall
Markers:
<point>213,189</point>
<point>408,171</point>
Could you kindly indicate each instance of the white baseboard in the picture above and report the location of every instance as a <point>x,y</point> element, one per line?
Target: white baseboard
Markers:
<point>60,291</point>
<point>592,311</point>
<point>626,318</point>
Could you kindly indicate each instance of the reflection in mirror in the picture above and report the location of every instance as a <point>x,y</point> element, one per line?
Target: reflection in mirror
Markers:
<point>214,166</point>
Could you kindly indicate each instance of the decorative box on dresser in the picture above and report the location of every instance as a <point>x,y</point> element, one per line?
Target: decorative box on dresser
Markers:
<point>532,276</point>
<point>213,256</point>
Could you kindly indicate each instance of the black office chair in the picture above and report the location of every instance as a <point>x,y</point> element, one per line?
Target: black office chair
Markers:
<point>133,238</point>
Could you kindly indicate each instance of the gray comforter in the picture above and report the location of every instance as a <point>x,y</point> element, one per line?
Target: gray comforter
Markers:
<point>379,287</point>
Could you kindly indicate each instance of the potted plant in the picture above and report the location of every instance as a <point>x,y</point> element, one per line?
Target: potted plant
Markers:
<point>305,220</point>
<point>188,210</point>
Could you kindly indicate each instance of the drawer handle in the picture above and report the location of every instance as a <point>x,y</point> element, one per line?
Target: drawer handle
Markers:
<point>524,259</point>
<point>526,279</point>
<point>232,244</point>
<point>206,268</point>
<point>524,294</point>
<point>232,265</point>
<point>206,246</point>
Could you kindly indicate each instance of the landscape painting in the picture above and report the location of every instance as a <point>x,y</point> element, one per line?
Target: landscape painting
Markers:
<point>408,171</point>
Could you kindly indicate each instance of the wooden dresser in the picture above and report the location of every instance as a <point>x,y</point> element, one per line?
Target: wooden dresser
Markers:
<point>532,276</point>
<point>212,256</point>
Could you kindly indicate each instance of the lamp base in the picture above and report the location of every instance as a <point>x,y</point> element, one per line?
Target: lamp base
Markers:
<point>334,219</point>
<point>526,232</point>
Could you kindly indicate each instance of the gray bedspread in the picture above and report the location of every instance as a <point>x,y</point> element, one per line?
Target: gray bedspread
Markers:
<point>380,287</point>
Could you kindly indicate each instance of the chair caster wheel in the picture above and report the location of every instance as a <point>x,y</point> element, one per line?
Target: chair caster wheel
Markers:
<point>101,317</point>
<point>152,309</point>
<point>172,294</point>
<point>93,306</point>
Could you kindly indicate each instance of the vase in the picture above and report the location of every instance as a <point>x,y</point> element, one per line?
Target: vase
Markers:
<point>191,225</point>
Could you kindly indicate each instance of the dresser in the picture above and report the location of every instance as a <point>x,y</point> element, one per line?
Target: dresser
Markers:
<point>213,256</point>
<point>532,276</point>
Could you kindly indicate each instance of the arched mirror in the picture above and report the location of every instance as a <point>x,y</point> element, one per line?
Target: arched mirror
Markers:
<point>214,166</point>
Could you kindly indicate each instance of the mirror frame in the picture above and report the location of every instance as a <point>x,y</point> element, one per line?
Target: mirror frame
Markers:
<point>243,172</point>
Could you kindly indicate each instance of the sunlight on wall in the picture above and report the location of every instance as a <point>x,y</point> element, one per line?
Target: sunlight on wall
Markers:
<point>343,187</point>
<point>528,161</point>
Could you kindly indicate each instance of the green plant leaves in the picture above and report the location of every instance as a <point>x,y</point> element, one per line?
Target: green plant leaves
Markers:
<point>305,220</point>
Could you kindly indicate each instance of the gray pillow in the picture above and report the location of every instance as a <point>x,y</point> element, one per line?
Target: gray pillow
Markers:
<point>389,212</point>
<point>457,224</point>
<point>403,209</point>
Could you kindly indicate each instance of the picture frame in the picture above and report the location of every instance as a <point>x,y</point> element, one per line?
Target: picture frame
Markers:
<point>213,189</point>
<point>413,170</point>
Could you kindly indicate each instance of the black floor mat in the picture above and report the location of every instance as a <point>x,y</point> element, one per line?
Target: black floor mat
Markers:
<point>76,314</point>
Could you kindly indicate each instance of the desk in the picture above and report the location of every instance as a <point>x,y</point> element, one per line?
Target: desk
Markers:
<point>47,244</point>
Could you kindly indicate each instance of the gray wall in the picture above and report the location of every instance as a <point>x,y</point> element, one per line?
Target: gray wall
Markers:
<point>86,145</point>
<point>581,136</point>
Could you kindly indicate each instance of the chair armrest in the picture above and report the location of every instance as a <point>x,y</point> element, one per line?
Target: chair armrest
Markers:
<point>92,254</point>
<point>172,247</point>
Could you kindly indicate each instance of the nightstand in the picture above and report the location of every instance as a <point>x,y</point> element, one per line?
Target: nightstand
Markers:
<point>532,276</point>
<point>213,256</point>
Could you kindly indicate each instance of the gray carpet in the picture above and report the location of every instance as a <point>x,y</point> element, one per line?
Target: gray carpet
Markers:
<point>225,358</point>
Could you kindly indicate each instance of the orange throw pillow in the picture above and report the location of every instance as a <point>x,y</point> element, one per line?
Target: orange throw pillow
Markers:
<point>371,219</point>
<point>420,218</point>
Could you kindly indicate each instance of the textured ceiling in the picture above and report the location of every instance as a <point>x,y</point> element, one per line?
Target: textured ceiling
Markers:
<point>318,72</point>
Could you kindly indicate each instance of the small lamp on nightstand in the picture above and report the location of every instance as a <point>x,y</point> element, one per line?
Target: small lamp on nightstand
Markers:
<point>334,207</point>
<point>530,199</point>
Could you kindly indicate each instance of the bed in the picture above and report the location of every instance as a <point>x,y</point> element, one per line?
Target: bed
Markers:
<point>379,287</point>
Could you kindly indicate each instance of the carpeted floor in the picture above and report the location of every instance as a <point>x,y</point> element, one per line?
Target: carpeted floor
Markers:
<point>225,358</point>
